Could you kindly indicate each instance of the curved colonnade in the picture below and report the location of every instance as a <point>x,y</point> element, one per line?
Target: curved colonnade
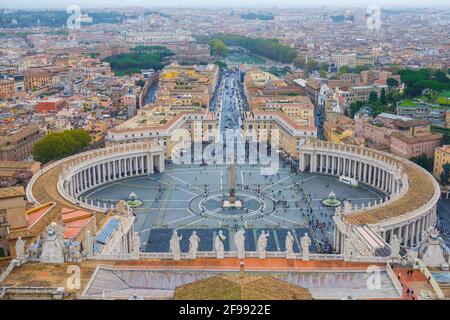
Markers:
<point>409,207</point>
<point>80,173</point>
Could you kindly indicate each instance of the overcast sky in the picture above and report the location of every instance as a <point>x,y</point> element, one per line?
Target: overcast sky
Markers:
<point>217,3</point>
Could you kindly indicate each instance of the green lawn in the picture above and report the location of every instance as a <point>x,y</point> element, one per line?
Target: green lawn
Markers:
<point>444,98</point>
<point>408,103</point>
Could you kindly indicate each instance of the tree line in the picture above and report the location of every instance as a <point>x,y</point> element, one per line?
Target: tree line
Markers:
<point>269,48</point>
<point>52,18</point>
<point>141,57</point>
<point>424,81</point>
<point>58,145</point>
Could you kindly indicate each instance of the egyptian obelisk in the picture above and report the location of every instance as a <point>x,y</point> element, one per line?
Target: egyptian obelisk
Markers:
<point>231,201</point>
<point>232,196</point>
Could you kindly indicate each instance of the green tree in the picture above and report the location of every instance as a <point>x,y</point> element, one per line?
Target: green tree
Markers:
<point>432,87</point>
<point>58,145</point>
<point>354,108</point>
<point>440,76</point>
<point>311,65</point>
<point>373,97</point>
<point>423,161</point>
<point>140,83</point>
<point>221,64</point>
<point>358,69</point>
<point>51,147</point>
<point>409,77</point>
<point>218,48</point>
<point>323,73</point>
<point>445,174</point>
<point>80,136</point>
<point>391,83</point>
<point>344,69</point>
<point>299,62</point>
<point>323,66</point>
<point>142,57</point>
<point>383,99</point>
<point>268,48</point>
<point>394,97</point>
<point>446,139</point>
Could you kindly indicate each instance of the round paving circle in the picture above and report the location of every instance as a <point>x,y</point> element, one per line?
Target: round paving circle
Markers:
<point>254,206</point>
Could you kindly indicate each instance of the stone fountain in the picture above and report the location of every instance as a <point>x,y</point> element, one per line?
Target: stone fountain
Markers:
<point>133,201</point>
<point>331,201</point>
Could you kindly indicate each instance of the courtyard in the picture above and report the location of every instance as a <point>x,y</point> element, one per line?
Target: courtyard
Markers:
<point>189,197</point>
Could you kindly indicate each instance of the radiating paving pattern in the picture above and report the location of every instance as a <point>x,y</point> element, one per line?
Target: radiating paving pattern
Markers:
<point>160,284</point>
<point>292,201</point>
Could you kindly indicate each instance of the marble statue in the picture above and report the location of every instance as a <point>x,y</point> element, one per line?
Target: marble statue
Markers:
<point>20,249</point>
<point>426,234</point>
<point>305,242</point>
<point>72,252</point>
<point>289,243</point>
<point>432,250</point>
<point>348,248</point>
<point>53,245</point>
<point>88,244</point>
<point>239,240</point>
<point>218,244</point>
<point>175,245</point>
<point>262,244</point>
<point>338,211</point>
<point>395,246</point>
<point>136,243</point>
<point>347,207</point>
<point>34,249</point>
<point>411,256</point>
<point>193,245</point>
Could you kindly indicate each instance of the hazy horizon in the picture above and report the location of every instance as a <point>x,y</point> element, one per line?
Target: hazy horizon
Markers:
<point>52,4</point>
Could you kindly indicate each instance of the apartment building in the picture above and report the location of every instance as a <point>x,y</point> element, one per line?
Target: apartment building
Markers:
<point>12,214</point>
<point>50,105</point>
<point>351,59</point>
<point>275,105</point>
<point>182,103</point>
<point>340,130</point>
<point>441,157</point>
<point>7,88</point>
<point>399,135</point>
<point>359,93</point>
<point>36,79</point>
<point>17,145</point>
